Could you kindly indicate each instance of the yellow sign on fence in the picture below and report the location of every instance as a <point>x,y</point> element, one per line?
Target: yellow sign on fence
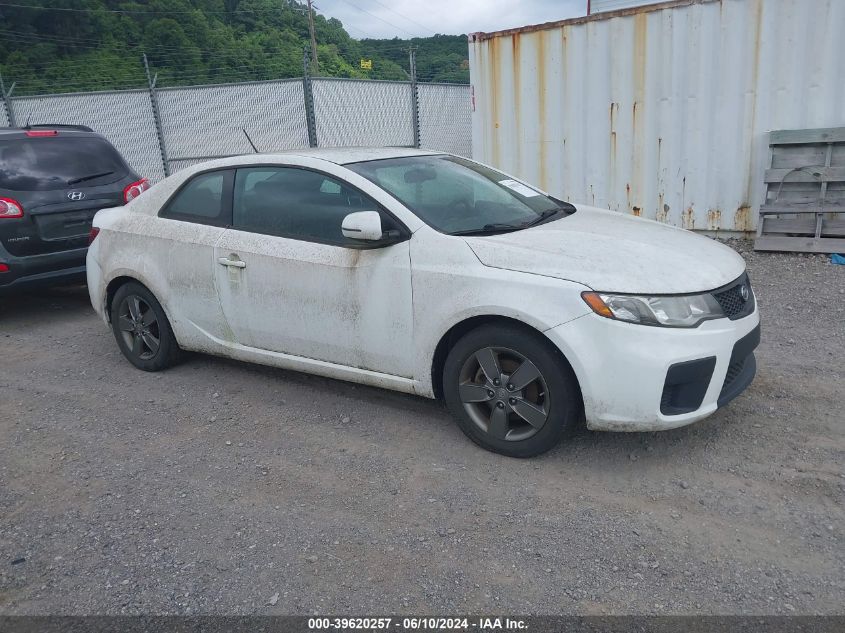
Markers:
<point>367,64</point>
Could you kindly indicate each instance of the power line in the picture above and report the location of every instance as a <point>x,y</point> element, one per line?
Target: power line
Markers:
<point>165,73</point>
<point>174,54</point>
<point>90,43</point>
<point>378,18</point>
<point>138,81</point>
<point>94,44</point>
<point>133,11</point>
<point>401,15</point>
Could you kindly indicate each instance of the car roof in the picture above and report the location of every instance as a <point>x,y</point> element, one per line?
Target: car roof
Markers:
<point>347,155</point>
<point>337,155</point>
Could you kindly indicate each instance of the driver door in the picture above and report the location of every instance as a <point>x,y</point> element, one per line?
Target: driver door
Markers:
<point>289,282</point>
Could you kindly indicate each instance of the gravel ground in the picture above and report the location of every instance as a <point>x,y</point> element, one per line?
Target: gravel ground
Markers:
<point>221,487</point>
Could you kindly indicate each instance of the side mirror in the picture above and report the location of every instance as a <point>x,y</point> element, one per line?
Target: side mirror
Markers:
<point>363,225</point>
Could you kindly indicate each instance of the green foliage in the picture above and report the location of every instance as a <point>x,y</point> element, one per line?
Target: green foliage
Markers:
<point>189,42</point>
<point>442,58</point>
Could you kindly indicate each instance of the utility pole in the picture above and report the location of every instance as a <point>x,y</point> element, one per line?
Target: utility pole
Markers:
<point>310,120</point>
<point>315,61</point>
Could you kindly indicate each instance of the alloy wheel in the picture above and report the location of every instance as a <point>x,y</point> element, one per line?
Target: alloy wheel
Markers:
<point>504,393</point>
<point>139,327</point>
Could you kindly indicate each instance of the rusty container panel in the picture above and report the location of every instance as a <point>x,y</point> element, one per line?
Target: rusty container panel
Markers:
<point>661,111</point>
<point>601,6</point>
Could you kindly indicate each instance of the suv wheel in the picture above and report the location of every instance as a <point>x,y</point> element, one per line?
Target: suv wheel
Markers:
<point>510,391</point>
<point>141,328</point>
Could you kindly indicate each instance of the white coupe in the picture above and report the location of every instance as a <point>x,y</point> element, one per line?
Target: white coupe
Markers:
<point>435,275</point>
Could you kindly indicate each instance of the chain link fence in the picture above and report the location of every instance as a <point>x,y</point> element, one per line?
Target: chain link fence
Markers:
<point>354,113</point>
<point>199,123</point>
<point>446,118</point>
<point>212,121</point>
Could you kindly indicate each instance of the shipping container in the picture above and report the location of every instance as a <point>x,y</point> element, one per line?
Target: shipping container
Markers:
<point>600,6</point>
<point>662,110</point>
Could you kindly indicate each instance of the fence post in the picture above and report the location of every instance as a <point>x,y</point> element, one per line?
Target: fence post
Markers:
<point>415,96</point>
<point>7,102</point>
<point>151,81</point>
<point>310,118</point>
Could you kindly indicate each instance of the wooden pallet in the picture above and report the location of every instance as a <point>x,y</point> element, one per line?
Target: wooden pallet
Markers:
<point>805,193</point>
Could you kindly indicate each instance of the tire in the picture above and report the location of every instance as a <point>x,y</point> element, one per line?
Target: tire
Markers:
<point>141,328</point>
<point>525,418</point>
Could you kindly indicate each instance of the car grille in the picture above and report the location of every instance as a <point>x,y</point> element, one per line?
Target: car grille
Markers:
<point>731,301</point>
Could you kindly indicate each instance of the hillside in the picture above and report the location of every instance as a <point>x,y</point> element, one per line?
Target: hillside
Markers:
<point>83,45</point>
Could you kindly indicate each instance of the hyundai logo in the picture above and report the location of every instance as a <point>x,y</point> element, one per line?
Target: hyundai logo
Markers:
<point>744,292</point>
<point>75,195</point>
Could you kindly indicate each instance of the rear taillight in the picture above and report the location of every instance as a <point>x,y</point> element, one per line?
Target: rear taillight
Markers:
<point>4,268</point>
<point>92,234</point>
<point>10,208</point>
<point>130,192</point>
<point>36,133</point>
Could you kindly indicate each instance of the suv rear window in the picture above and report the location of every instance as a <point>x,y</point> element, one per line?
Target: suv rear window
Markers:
<point>39,164</point>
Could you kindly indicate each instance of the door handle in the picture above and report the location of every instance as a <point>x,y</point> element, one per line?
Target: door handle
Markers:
<point>234,263</point>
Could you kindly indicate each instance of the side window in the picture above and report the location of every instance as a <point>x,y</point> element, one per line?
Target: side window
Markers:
<point>296,203</point>
<point>202,199</point>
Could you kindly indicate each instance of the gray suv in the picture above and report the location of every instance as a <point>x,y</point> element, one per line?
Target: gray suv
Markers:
<point>53,179</point>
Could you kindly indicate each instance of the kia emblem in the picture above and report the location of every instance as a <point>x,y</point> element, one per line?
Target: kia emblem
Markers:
<point>744,292</point>
<point>75,195</point>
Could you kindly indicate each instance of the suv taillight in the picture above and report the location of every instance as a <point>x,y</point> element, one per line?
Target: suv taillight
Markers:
<point>92,234</point>
<point>37,133</point>
<point>10,208</point>
<point>130,192</point>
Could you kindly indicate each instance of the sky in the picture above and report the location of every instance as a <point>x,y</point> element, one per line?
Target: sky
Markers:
<point>423,18</point>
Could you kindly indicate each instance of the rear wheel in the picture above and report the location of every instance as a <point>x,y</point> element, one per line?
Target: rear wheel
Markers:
<point>141,328</point>
<point>510,390</point>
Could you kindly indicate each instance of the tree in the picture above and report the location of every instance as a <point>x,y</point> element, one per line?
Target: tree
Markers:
<point>197,41</point>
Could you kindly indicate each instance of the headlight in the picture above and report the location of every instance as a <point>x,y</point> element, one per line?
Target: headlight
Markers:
<point>666,311</point>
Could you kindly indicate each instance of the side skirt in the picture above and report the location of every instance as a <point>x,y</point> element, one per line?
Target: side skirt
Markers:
<point>326,369</point>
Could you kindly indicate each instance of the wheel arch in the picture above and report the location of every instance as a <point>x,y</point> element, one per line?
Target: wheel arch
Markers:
<point>124,278</point>
<point>112,288</point>
<point>448,340</point>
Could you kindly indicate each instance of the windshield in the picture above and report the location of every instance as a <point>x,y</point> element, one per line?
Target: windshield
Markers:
<point>459,196</point>
<point>39,164</point>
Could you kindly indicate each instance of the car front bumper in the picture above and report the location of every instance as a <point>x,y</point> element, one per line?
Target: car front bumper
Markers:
<point>642,378</point>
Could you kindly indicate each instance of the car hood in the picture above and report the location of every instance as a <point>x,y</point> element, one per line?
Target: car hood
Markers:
<point>613,252</point>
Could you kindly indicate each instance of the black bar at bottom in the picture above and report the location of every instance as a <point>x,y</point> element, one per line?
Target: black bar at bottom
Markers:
<point>487,623</point>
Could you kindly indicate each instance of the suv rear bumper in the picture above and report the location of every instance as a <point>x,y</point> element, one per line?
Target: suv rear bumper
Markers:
<point>42,270</point>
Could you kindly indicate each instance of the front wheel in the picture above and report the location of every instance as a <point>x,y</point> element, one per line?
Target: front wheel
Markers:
<point>141,328</point>
<point>510,390</point>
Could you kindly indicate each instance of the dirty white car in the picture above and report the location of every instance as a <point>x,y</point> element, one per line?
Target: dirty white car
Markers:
<point>431,274</point>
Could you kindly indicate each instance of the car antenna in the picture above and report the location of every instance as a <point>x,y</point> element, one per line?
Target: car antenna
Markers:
<point>254,148</point>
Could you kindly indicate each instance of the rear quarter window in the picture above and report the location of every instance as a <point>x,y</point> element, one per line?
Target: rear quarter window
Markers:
<point>204,199</point>
<point>41,164</point>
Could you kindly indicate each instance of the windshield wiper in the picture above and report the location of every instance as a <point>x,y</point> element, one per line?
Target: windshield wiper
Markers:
<point>91,177</point>
<point>495,227</point>
<point>545,215</point>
